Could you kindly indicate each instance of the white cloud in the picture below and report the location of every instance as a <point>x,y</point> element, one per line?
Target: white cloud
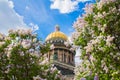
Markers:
<point>9,19</point>
<point>34,27</point>
<point>83,0</point>
<point>11,4</point>
<point>66,6</point>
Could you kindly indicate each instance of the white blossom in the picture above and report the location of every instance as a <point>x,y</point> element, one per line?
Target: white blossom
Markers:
<point>53,69</point>
<point>38,78</point>
<point>89,47</point>
<point>12,31</point>
<point>45,61</point>
<point>35,39</point>
<point>7,71</point>
<point>106,69</point>
<point>26,43</point>
<point>2,43</point>
<point>109,40</point>
<point>111,53</point>
<point>1,36</point>
<point>88,8</point>
<point>52,46</point>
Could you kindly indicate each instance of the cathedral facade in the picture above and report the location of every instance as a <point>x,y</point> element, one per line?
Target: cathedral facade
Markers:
<point>61,53</point>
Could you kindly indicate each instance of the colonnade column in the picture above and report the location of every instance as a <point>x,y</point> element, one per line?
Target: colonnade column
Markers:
<point>63,56</point>
<point>67,57</point>
<point>58,55</point>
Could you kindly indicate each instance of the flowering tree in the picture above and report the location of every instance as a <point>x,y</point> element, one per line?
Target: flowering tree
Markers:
<point>3,56</point>
<point>98,34</point>
<point>21,57</point>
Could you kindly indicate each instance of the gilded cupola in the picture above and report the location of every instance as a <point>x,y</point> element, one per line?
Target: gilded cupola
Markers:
<point>57,34</point>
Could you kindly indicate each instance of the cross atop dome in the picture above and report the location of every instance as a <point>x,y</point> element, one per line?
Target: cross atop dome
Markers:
<point>57,28</point>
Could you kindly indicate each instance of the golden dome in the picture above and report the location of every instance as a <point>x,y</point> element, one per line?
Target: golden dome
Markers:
<point>56,34</point>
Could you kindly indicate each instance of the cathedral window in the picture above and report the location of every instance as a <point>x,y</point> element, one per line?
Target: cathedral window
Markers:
<point>55,57</point>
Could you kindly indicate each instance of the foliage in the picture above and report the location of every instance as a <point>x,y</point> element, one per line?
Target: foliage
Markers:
<point>98,34</point>
<point>21,57</point>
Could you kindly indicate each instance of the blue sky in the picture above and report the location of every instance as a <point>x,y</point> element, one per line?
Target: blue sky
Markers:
<point>42,14</point>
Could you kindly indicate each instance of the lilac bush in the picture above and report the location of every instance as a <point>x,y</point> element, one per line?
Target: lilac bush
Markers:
<point>21,57</point>
<point>98,33</point>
